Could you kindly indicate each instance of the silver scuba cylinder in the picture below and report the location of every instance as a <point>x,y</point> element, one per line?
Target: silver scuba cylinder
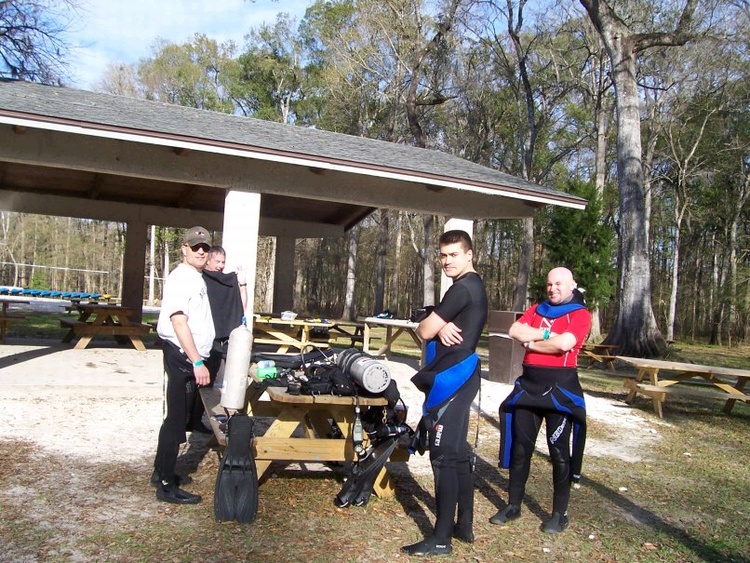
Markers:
<point>234,389</point>
<point>365,371</point>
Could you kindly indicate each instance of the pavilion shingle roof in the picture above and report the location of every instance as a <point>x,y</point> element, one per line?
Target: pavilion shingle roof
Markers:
<point>151,118</point>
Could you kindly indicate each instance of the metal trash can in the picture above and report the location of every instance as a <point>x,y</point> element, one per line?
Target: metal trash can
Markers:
<point>506,355</point>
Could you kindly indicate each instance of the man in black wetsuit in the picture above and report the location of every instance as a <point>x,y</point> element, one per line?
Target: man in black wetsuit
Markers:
<point>450,381</point>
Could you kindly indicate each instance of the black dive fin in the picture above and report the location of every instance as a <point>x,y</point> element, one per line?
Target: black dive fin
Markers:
<point>236,491</point>
<point>358,487</point>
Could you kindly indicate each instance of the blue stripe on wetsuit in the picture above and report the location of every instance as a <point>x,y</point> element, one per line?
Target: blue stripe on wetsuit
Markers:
<point>430,351</point>
<point>505,454</point>
<point>448,381</point>
<point>507,444</point>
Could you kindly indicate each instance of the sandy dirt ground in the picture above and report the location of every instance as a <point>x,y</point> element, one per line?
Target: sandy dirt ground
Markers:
<point>107,402</point>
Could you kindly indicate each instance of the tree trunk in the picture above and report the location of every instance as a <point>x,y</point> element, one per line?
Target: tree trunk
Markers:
<point>520,292</point>
<point>600,175</point>
<point>351,262</point>
<point>635,331</point>
<point>399,296</point>
<point>380,265</point>
<point>674,275</point>
<point>66,259</point>
<point>732,297</point>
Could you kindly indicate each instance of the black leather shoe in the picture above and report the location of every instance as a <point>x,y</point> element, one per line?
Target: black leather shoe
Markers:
<point>556,524</point>
<point>510,512</point>
<point>428,546</point>
<point>169,492</point>
<point>178,479</point>
<point>463,534</point>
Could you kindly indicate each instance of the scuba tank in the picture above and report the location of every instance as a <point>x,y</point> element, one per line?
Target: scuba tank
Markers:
<point>234,389</point>
<point>366,371</point>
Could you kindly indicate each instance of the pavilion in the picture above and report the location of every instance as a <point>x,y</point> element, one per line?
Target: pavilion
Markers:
<point>74,153</point>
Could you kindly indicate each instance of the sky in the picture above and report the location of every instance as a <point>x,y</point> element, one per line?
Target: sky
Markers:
<point>123,31</point>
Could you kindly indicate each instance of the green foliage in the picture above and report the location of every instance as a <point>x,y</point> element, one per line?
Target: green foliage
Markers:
<point>191,74</point>
<point>39,281</point>
<point>584,243</point>
<point>267,83</point>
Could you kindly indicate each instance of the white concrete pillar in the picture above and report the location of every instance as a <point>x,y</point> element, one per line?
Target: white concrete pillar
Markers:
<point>134,267</point>
<point>450,225</point>
<point>283,286</point>
<point>241,221</point>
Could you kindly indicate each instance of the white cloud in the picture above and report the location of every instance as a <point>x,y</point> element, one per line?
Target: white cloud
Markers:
<point>123,31</point>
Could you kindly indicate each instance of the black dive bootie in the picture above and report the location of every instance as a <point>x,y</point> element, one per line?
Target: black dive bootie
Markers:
<point>428,546</point>
<point>510,512</point>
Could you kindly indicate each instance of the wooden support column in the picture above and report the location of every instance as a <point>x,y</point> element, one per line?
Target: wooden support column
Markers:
<point>134,267</point>
<point>283,287</point>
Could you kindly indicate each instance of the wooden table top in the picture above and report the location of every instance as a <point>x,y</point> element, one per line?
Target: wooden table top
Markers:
<point>403,323</point>
<point>279,394</point>
<point>650,363</point>
<point>295,322</point>
<point>105,309</point>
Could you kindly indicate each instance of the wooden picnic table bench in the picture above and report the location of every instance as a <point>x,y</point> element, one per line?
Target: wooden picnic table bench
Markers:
<point>599,354</point>
<point>354,331</point>
<point>104,320</point>
<point>315,415</point>
<point>658,378</point>
<point>393,329</point>
<point>297,334</point>
<point>7,317</point>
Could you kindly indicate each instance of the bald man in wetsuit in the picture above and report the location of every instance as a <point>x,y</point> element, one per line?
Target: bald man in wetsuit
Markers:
<point>548,389</point>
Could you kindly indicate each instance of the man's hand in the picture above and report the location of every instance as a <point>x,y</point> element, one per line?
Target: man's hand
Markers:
<point>450,335</point>
<point>241,275</point>
<point>202,377</point>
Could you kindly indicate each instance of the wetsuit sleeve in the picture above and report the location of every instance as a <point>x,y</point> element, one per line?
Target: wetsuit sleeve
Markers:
<point>454,301</point>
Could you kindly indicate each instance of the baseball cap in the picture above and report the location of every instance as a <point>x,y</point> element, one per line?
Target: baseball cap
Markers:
<point>196,235</point>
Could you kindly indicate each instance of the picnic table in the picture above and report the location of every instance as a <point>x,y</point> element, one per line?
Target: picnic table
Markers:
<point>7,317</point>
<point>299,334</point>
<point>394,329</point>
<point>353,330</point>
<point>657,378</point>
<point>100,319</point>
<point>326,422</point>
<point>599,354</point>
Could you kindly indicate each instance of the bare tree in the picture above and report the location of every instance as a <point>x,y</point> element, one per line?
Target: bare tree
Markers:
<point>351,262</point>
<point>121,80</point>
<point>635,330</point>
<point>31,44</point>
